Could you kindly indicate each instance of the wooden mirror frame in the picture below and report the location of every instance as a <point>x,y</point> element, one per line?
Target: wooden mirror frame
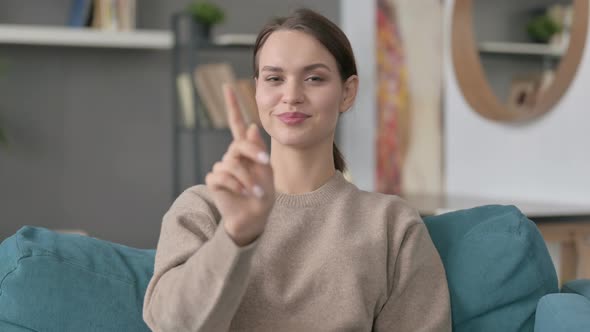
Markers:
<point>472,79</point>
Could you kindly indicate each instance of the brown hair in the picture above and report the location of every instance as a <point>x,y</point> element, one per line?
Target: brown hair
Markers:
<point>328,34</point>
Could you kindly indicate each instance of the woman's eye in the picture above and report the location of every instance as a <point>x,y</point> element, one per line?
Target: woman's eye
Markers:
<point>315,79</point>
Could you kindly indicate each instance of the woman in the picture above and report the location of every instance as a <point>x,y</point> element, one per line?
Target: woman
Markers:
<point>282,242</point>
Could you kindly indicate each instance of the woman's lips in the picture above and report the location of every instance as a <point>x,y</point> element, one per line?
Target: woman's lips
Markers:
<point>293,118</point>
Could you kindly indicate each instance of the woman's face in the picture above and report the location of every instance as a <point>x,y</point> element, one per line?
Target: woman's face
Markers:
<point>299,91</point>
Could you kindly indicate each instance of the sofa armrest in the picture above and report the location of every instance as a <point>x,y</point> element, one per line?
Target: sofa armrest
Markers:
<point>580,286</point>
<point>563,313</point>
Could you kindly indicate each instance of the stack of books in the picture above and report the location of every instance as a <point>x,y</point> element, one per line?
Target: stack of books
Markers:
<point>208,82</point>
<point>112,15</point>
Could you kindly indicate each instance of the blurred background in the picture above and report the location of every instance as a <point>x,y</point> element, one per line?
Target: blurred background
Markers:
<point>88,118</point>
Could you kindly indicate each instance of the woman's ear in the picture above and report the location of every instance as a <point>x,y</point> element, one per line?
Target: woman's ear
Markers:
<point>349,94</point>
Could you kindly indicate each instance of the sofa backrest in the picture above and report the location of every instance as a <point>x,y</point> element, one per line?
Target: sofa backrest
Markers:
<point>63,282</point>
<point>497,265</point>
<point>496,261</point>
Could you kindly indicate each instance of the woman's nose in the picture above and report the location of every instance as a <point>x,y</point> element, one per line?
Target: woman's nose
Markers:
<point>293,93</point>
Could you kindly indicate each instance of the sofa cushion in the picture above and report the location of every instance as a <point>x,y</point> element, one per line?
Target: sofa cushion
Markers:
<point>563,313</point>
<point>580,286</point>
<point>9,327</point>
<point>497,266</point>
<point>65,282</point>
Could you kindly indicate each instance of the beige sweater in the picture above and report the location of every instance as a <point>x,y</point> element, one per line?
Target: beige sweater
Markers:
<point>335,259</point>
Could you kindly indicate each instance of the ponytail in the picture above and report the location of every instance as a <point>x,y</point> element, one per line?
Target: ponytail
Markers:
<point>339,162</point>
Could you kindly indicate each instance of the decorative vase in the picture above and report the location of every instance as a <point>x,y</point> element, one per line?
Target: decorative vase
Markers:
<point>202,31</point>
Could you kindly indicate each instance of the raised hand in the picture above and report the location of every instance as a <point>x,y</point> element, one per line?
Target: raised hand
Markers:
<point>242,182</point>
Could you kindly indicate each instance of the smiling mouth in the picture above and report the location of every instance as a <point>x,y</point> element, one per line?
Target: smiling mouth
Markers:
<point>293,115</point>
<point>292,118</point>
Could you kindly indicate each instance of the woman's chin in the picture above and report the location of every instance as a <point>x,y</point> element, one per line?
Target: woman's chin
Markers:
<point>295,140</point>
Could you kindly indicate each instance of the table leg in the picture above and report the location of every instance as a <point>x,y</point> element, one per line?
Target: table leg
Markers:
<point>574,242</point>
<point>568,261</point>
<point>583,249</point>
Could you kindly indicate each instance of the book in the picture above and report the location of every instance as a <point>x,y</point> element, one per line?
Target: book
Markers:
<point>186,101</point>
<point>126,14</point>
<point>114,15</point>
<point>100,12</point>
<point>80,12</point>
<point>209,90</point>
<point>209,80</point>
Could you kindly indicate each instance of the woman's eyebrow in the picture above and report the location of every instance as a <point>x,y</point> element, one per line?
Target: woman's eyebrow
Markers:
<point>272,69</point>
<point>316,66</point>
<point>305,69</point>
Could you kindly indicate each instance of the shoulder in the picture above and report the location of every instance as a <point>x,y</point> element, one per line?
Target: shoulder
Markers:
<point>393,210</point>
<point>197,192</point>
<point>195,199</point>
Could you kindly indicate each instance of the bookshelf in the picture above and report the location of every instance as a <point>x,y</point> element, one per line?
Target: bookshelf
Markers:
<point>510,48</point>
<point>39,35</point>
<point>197,145</point>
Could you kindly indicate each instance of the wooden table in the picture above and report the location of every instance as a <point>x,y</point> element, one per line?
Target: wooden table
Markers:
<point>568,225</point>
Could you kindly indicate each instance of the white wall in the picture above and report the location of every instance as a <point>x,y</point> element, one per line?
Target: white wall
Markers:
<point>546,160</point>
<point>357,129</point>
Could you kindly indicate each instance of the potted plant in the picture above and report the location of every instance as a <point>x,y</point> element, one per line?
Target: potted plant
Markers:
<point>541,28</point>
<point>205,15</point>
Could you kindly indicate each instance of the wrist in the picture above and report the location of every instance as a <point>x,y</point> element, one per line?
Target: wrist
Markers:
<point>241,238</point>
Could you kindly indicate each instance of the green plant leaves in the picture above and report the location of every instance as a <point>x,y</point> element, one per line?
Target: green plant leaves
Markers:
<point>206,12</point>
<point>542,28</point>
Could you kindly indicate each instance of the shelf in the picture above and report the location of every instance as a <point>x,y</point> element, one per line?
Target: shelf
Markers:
<point>211,47</point>
<point>521,49</point>
<point>235,39</point>
<point>201,130</point>
<point>84,37</point>
<point>229,41</point>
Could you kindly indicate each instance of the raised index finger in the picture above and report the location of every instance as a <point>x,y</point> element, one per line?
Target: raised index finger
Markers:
<point>234,115</point>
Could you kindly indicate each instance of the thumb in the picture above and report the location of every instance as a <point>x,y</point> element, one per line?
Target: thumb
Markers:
<point>253,135</point>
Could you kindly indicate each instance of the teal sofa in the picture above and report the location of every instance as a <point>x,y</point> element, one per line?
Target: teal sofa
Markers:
<point>500,277</point>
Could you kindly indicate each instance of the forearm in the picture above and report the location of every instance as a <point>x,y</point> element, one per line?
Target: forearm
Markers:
<point>203,293</point>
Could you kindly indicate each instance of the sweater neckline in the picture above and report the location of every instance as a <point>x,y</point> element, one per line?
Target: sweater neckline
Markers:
<point>324,194</point>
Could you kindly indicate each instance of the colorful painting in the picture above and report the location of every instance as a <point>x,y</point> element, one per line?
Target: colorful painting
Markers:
<point>392,101</point>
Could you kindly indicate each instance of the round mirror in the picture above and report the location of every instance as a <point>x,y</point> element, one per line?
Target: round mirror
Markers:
<point>514,60</point>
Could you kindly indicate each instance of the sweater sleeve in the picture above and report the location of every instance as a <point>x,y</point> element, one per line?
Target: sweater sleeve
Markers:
<point>200,274</point>
<point>419,295</point>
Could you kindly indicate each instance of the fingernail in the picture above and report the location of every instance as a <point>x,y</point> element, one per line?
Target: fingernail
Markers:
<point>257,191</point>
<point>263,157</point>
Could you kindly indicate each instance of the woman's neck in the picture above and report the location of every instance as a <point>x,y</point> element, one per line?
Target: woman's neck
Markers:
<point>300,171</point>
